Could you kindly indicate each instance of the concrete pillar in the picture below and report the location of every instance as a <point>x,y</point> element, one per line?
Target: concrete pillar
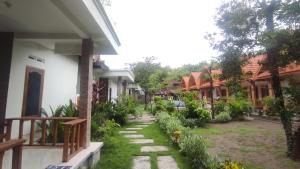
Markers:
<point>119,86</point>
<point>86,78</point>
<point>6,47</point>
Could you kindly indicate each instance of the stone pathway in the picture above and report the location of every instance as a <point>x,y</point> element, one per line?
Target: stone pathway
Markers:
<point>144,162</point>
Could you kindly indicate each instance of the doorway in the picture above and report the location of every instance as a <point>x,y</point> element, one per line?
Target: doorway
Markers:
<point>33,91</point>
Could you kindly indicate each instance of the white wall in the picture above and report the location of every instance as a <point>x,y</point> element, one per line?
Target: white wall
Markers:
<point>59,82</point>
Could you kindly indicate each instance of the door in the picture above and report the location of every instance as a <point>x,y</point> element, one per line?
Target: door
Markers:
<point>33,91</point>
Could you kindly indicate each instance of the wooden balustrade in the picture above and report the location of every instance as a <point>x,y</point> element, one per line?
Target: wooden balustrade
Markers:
<point>16,146</point>
<point>72,140</point>
<point>44,123</point>
<point>73,127</point>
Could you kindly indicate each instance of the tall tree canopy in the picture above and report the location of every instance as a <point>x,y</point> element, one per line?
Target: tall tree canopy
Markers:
<point>251,27</point>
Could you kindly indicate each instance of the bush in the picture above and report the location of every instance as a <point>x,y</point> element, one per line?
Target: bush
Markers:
<point>223,117</point>
<point>204,115</point>
<point>238,106</point>
<point>219,106</point>
<point>107,129</point>
<point>194,148</point>
<point>169,106</point>
<point>158,104</point>
<point>269,104</point>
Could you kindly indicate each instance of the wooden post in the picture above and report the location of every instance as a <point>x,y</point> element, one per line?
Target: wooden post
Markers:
<point>31,140</point>
<point>21,129</point>
<point>43,139</point>
<point>86,77</point>
<point>17,157</point>
<point>253,93</point>
<point>54,137</point>
<point>66,144</point>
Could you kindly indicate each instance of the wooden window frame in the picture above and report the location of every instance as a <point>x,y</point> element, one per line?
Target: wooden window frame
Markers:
<point>28,70</point>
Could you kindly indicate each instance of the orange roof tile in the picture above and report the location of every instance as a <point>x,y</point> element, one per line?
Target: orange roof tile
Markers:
<point>289,69</point>
<point>253,65</point>
<point>185,82</point>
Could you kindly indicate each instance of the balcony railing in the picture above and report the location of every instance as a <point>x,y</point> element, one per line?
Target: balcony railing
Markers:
<point>71,127</point>
<point>16,146</point>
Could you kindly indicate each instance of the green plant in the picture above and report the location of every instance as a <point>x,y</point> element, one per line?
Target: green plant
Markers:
<point>169,106</point>
<point>194,147</point>
<point>269,104</point>
<point>228,164</point>
<point>223,117</point>
<point>107,129</point>
<point>159,105</point>
<point>219,106</point>
<point>238,106</point>
<point>204,115</point>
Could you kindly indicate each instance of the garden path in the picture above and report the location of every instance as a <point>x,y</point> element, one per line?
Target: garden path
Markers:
<point>144,162</point>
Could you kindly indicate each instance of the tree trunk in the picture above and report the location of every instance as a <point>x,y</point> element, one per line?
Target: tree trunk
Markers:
<point>146,100</point>
<point>275,79</point>
<point>212,99</point>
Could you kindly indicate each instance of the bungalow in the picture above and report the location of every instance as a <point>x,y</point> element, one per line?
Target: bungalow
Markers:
<point>257,82</point>
<point>46,58</point>
<point>111,83</point>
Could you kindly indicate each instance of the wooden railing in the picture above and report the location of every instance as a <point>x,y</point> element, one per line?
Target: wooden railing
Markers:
<point>73,127</point>
<point>16,146</point>
<point>73,142</point>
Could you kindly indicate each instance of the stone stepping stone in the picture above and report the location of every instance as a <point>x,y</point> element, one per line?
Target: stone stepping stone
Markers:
<point>146,123</point>
<point>142,125</point>
<point>154,148</point>
<point>166,162</point>
<point>142,141</point>
<point>127,132</point>
<point>141,162</point>
<point>134,128</point>
<point>134,136</point>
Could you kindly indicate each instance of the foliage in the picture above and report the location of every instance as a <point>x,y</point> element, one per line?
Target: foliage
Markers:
<point>292,94</point>
<point>67,110</point>
<point>159,105</point>
<point>231,165</point>
<point>169,106</point>
<point>192,146</point>
<point>223,117</point>
<point>204,115</point>
<point>269,104</point>
<point>108,128</point>
<point>238,106</point>
<point>219,106</point>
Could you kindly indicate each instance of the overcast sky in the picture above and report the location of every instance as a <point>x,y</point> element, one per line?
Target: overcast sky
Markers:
<point>171,30</point>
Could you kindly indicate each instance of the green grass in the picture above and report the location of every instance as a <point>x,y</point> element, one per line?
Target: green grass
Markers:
<point>153,131</point>
<point>117,153</point>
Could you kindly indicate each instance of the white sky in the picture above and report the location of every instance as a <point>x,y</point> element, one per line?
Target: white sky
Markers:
<point>171,30</point>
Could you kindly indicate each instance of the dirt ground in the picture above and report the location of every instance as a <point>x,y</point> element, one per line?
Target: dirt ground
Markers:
<point>258,144</point>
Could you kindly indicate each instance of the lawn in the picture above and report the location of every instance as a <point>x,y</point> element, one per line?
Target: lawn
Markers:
<point>117,153</point>
<point>258,144</point>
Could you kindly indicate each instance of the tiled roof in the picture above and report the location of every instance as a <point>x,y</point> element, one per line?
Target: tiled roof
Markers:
<point>196,76</point>
<point>289,69</point>
<point>185,82</point>
<point>253,65</point>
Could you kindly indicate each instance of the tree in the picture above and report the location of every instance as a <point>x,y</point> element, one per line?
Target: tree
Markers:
<point>251,27</point>
<point>143,72</point>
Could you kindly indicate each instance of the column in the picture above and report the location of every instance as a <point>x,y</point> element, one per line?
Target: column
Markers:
<point>86,78</point>
<point>6,47</point>
<point>119,86</point>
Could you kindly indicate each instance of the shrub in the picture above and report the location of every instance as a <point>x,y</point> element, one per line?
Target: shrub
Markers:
<point>223,117</point>
<point>227,164</point>
<point>204,115</point>
<point>194,148</point>
<point>169,106</point>
<point>106,129</point>
<point>219,106</point>
<point>238,106</point>
<point>158,103</point>
<point>269,104</point>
